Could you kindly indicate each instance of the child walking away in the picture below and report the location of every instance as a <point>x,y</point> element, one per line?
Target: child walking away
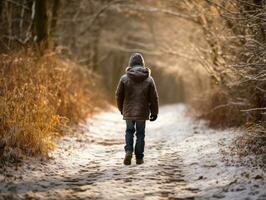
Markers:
<point>137,100</point>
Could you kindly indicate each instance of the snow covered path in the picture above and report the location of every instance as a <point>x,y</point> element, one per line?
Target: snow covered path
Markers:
<point>183,160</point>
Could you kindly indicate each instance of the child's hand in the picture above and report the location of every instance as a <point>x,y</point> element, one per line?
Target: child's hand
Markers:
<point>153,117</point>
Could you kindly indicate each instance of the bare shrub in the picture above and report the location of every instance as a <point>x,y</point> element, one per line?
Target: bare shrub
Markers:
<point>218,107</point>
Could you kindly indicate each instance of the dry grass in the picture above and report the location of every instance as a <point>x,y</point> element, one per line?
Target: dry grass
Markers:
<point>39,97</point>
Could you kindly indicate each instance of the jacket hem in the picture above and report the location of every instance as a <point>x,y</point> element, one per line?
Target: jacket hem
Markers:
<point>135,118</point>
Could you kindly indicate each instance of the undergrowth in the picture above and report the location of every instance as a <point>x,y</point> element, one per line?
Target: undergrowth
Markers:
<point>218,107</point>
<point>39,98</point>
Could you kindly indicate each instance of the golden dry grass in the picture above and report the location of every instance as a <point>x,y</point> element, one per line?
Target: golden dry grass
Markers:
<point>39,97</point>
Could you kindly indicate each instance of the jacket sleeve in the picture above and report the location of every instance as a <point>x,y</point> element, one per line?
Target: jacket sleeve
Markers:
<point>153,98</point>
<point>119,94</point>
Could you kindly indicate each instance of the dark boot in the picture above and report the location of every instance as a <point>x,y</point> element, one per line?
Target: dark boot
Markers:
<point>139,161</point>
<point>127,160</point>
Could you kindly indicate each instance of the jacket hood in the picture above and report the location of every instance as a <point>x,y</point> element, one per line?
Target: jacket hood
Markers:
<point>136,59</point>
<point>138,73</point>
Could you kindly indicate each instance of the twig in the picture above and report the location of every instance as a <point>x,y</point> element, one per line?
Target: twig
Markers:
<point>99,13</point>
<point>253,109</point>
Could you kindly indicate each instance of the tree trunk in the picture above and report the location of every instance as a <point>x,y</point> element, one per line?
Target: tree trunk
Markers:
<point>55,9</point>
<point>1,8</point>
<point>41,24</point>
<point>96,32</point>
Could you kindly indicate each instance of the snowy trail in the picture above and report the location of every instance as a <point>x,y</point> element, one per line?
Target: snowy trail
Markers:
<point>182,161</point>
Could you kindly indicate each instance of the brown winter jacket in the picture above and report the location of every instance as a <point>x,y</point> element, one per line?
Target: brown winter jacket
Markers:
<point>136,93</point>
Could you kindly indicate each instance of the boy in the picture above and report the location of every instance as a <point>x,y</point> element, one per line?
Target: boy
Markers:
<point>137,100</point>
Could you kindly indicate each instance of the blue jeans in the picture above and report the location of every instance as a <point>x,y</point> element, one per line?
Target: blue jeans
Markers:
<point>139,127</point>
